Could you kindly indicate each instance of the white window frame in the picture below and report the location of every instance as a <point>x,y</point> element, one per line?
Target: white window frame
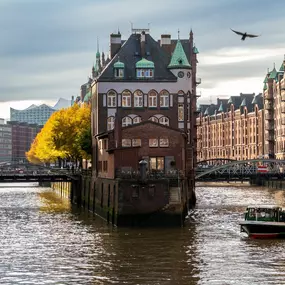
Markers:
<point>153,142</point>
<point>137,120</point>
<point>164,142</point>
<point>110,123</point>
<point>126,99</point>
<point>126,142</point>
<point>152,100</point>
<point>138,99</point>
<point>154,119</point>
<point>164,121</point>
<point>164,99</point>
<point>112,99</point>
<point>127,121</point>
<point>119,73</point>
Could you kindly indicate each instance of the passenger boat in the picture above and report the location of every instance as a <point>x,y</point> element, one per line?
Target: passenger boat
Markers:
<point>264,222</point>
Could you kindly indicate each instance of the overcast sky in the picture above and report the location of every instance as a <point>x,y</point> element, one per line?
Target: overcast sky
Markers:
<point>47,47</point>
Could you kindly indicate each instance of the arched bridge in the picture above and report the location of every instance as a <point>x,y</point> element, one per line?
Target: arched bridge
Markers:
<point>25,172</point>
<point>242,170</point>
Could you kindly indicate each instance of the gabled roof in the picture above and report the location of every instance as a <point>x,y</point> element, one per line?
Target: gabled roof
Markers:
<point>281,67</point>
<point>130,54</point>
<point>179,58</point>
<point>273,73</point>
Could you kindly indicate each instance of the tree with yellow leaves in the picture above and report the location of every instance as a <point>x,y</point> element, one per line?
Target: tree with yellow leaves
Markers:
<point>64,136</point>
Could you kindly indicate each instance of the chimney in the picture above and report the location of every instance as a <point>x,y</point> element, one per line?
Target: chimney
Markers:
<point>165,43</point>
<point>143,44</point>
<point>115,44</point>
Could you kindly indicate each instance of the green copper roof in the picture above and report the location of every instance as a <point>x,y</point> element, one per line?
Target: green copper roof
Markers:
<point>221,109</point>
<point>119,64</point>
<point>273,73</point>
<point>254,101</point>
<point>179,58</point>
<point>195,50</point>
<point>265,86</point>
<point>243,103</point>
<point>281,67</point>
<point>265,79</point>
<point>87,96</point>
<point>97,54</point>
<point>144,63</point>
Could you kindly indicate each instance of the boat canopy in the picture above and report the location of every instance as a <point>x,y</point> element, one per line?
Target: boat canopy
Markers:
<point>264,207</point>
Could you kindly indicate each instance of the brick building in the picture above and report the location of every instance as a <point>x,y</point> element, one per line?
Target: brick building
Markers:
<point>143,108</point>
<point>5,142</point>
<point>23,134</point>
<point>248,126</point>
<point>232,128</point>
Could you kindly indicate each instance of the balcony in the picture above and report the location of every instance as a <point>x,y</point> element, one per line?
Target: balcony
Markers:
<point>268,106</point>
<point>269,137</point>
<point>269,127</point>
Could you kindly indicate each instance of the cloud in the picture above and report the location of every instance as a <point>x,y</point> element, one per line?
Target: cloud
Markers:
<point>48,46</point>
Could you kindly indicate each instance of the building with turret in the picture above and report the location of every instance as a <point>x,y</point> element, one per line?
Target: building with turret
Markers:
<point>144,129</point>
<point>248,126</point>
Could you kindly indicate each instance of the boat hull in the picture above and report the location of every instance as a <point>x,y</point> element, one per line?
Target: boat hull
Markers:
<point>256,229</point>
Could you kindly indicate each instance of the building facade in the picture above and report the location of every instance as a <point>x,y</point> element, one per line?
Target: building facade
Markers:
<point>231,129</point>
<point>5,142</point>
<point>143,110</point>
<point>37,114</point>
<point>23,135</point>
<point>274,105</point>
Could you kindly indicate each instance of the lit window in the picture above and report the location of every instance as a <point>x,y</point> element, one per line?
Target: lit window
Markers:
<point>110,123</point>
<point>137,120</point>
<point>164,121</point>
<point>153,119</point>
<point>126,99</point>
<point>136,142</point>
<point>111,99</point>
<point>153,142</point>
<point>180,112</point>
<point>126,121</point>
<point>126,143</point>
<point>164,99</point>
<point>152,99</point>
<point>138,99</point>
<point>145,73</point>
<point>163,142</point>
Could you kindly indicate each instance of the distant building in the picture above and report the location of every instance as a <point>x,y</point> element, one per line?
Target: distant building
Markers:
<point>5,142</point>
<point>274,108</point>
<point>23,135</point>
<point>37,114</point>
<point>233,128</point>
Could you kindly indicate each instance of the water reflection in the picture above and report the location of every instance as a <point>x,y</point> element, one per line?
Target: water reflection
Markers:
<point>45,241</point>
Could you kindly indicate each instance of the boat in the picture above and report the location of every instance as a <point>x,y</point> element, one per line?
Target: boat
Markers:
<point>264,222</point>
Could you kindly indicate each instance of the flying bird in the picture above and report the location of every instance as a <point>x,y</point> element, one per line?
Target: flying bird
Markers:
<point>245,35</point>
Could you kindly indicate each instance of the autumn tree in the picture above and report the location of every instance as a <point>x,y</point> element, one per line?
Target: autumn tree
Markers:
<point>64,136</point>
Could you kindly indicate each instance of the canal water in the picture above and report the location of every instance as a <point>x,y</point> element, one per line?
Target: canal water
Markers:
<point>45,241</point>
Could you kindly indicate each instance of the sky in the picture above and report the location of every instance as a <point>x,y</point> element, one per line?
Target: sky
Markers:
<point>48,47</point>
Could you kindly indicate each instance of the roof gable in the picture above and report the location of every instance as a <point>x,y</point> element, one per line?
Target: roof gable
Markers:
<point>130,53</point>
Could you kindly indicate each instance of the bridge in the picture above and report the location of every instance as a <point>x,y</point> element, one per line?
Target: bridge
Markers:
<point>25,172</point>
<point>227,169</point>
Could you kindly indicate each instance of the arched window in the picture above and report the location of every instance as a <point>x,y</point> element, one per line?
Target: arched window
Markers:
<point>137,120</point>
<point>126,121</point>
<point>112,99</point>
<point>181,93</point>
<point>164,121</point>
<point>164,98</point>
<point>110,123</point>
<point>126,99</point>
<point>154,119</point>
<point>152,99</point>
<point>138,99</point>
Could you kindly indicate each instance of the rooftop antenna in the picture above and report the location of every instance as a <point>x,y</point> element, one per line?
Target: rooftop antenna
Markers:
<point>148,26</point>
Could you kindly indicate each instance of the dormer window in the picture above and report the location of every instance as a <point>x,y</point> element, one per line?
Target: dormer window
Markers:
<point>145,68</point>
<point>119,69</point>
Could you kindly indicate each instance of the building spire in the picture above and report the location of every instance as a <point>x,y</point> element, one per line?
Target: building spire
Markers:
<point>178,34</point>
